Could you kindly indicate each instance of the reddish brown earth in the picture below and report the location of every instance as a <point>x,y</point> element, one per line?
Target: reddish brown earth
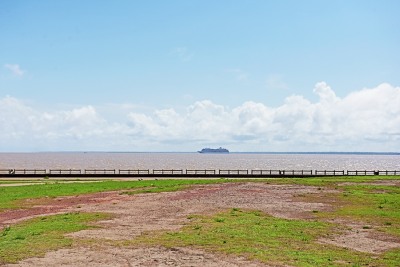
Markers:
<point>136,214</point>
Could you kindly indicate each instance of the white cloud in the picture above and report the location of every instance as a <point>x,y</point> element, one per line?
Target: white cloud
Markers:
<point>325,93</point>
<point>15,69</point>
<point>25,128</point>
<point>364,120</point>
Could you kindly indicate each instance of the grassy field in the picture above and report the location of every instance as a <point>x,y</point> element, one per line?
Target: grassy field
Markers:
<point>12,197</point>
<point>37,236</point>
<point>259,236</point>
<point>252,234</point>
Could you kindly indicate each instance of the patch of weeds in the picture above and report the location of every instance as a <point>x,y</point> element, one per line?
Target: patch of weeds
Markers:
<point>6,230</point>
<point>19,237</point>
<point>197,227</point>
<point>235,211</point>
<point>257,213</point>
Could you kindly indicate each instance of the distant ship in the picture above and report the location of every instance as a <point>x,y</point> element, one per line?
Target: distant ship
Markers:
<point>214,150</point>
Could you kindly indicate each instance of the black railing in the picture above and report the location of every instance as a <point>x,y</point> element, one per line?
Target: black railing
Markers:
<point>29,171</point>
<point>203,172</point>
<point>62,171</point>
<point>330,173</point>
<point>100,171</point>
<point>136,172</point>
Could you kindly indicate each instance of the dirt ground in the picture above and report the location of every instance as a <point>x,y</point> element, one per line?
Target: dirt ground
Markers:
<point>139,213</point>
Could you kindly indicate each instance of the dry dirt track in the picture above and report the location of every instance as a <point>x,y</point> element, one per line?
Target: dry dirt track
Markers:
<point>169,211</point>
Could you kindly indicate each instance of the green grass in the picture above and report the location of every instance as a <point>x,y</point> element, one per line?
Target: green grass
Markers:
<point>372,204</point>
<point>34,237</point>
<point>11,197</point>
<point>332,181</point>
<point>259,236</point>
<point>20,181</point>
<point>375,205</point>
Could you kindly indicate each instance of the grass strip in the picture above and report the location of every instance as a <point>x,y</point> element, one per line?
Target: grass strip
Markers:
<point>333,181</point>
<point>11,197</point>
<point>258,236</point>
<point>20,181</point>
<point>35,237</point>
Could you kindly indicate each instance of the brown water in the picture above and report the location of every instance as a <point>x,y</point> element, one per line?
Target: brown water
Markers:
<point>81,160</point>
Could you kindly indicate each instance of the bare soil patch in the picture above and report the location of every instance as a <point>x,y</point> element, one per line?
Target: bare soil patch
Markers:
<point>136,214</point>
<point>363,240</point>
<point>125,257</point>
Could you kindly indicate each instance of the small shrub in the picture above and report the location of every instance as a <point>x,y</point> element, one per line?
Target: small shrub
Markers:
<point>6,230</point>
<point>257,213</point>
<point>19,237</point>
<point>197,227</point>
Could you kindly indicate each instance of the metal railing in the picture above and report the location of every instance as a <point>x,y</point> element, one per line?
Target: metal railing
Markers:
<point>330,173</point>
<point>61,171</point>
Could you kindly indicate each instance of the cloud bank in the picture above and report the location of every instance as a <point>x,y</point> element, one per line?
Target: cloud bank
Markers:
<point>364,120</point>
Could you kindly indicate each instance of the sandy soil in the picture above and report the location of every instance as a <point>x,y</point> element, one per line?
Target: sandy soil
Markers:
<point>136,214</point>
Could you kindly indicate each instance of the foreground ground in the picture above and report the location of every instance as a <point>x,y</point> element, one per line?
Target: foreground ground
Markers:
<point>155,229</point>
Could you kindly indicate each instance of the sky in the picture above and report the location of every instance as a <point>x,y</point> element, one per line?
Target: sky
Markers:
<point>179,75</point>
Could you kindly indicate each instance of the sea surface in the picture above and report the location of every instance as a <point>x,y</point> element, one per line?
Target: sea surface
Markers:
<point>191,161</point>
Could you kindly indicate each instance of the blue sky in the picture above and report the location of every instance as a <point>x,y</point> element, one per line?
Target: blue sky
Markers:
<point>131,75</point>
